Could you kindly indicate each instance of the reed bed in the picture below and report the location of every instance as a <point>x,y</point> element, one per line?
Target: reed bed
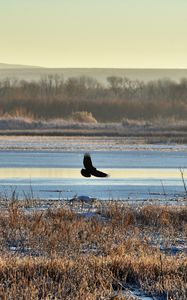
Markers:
<point>61,253</point>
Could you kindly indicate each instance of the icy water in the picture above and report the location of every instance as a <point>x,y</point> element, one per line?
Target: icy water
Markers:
<point>135,173</point>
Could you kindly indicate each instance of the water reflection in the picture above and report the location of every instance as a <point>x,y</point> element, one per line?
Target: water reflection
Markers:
<point>133,174</point>
<point>74,173</point>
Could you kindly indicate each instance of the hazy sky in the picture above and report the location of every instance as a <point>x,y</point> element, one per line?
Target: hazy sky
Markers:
<point>94,33</point>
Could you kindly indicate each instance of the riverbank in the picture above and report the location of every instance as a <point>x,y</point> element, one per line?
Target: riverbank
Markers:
<point>11,141</point>
<point>133,136</point>
<point>134,131</point>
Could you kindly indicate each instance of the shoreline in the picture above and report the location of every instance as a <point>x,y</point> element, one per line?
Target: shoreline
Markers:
<point>72,143</point>
<point>160,136</point>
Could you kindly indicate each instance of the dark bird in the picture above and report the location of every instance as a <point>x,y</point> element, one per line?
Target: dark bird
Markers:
<point>90,169</point>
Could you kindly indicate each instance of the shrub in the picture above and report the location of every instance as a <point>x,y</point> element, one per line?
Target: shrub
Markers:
<point>83,116</point>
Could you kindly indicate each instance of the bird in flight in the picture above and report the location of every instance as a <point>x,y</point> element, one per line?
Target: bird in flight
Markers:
<point>90,169</point>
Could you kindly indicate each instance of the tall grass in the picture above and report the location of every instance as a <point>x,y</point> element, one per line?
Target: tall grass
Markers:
<point>59,254</point>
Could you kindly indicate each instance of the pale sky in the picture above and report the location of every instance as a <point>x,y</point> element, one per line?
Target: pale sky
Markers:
<point>94,33</point>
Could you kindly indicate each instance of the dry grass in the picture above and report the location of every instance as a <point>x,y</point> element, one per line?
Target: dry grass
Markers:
<point>83,117</point>
<point>136,131</point>
<point>59,254</point>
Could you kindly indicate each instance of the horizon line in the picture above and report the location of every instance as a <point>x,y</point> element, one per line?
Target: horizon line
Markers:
<point>17,65</point>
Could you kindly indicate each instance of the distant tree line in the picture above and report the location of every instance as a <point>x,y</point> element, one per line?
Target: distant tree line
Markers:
<point>53,97</point>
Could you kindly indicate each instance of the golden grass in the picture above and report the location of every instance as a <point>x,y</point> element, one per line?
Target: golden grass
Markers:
<point>59,254</point>
<point>83,117</point>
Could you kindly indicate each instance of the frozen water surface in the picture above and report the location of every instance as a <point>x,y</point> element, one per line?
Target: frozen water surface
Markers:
<point>49,167</point>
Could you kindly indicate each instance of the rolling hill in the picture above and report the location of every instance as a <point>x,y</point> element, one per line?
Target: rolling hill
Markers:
<point>13,66</point>
<point>30,73</point>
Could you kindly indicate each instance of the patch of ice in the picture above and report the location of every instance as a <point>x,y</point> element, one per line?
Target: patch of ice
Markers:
<point>54,143</point>
<point>139,295</point>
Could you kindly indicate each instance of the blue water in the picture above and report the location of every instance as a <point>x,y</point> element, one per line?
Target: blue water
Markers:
<point>113,159</point>
<point>109,188</point>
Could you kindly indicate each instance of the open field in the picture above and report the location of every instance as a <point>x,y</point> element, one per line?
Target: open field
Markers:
<point>69,250</point>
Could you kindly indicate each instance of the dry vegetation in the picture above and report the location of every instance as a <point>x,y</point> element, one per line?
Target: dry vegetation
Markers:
<point>134,131</point>
<point>52,97</point>
<point>60,254</point>
<point>154,111</point>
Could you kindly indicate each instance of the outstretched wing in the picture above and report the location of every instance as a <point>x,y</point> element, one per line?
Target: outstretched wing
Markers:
<point>87,161</point>
<point>98,173</point>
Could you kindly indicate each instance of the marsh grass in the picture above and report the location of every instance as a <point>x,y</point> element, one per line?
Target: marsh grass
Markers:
<point>59,254</point>
<point>136,131</point>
